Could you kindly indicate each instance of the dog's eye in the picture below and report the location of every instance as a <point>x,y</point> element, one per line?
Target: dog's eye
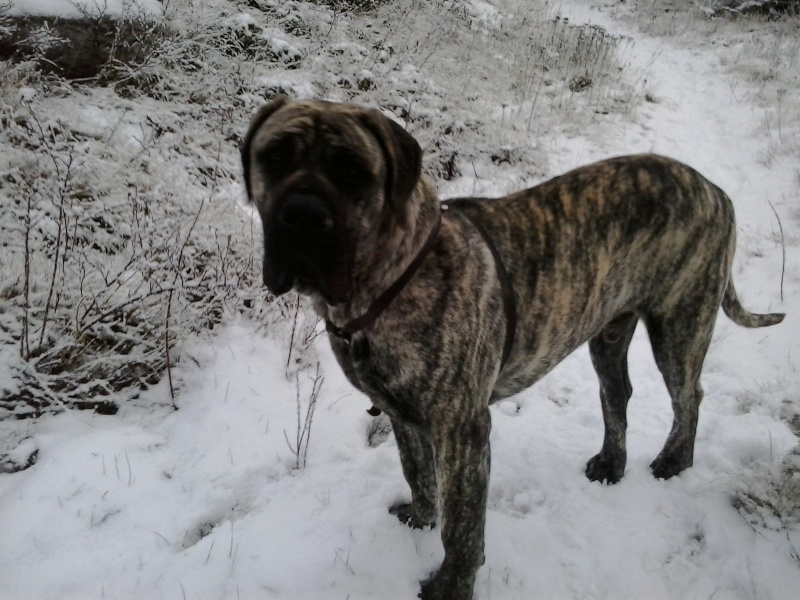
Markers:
<point>277,158</point>
<point>348,168</point>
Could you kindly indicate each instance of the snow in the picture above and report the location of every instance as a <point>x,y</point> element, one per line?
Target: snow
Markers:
<point>206,503</point>
<point>71,9</point>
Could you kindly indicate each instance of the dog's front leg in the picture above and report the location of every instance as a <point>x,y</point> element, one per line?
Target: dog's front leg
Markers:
<point>416,456</point>
<point>461,442</point>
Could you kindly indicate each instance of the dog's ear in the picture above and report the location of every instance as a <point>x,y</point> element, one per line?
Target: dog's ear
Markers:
<point>264,113</point>
<point>403,158</point>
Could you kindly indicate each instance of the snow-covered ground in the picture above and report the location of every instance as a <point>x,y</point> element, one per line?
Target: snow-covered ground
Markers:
<point>206,503</point>
<point>76,8</point>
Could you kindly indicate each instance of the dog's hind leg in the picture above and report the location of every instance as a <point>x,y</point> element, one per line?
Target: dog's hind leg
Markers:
<point>609,352</point>
<point>416,457</point>
<point>680,342</point>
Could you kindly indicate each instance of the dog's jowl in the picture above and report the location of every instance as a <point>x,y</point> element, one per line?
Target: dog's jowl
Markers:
<point>434,313</point>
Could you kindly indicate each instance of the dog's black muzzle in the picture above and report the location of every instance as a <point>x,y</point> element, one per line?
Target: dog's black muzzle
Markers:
<point>306,215</point>
<point>303,247</point>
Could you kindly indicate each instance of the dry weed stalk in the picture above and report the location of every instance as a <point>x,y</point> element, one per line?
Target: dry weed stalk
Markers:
<point>303,434</point>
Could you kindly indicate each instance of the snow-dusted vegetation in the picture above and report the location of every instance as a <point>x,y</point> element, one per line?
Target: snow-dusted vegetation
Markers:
<point>130,284</point>
<point>122,234</point>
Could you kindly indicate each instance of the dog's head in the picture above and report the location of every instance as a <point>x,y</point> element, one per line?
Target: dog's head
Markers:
<point>325,177</point>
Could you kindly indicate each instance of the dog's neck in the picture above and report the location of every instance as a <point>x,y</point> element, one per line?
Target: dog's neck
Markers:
<point>382,268</point>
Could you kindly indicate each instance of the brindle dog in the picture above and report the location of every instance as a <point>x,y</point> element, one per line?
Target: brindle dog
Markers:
<point>434,315</point>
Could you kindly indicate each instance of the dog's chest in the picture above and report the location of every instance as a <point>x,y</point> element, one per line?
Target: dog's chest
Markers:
<point>378,375</point>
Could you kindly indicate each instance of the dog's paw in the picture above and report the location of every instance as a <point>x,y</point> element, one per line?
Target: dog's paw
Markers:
<point>402,512</point>
<point>379,429</point>
<point>442,587</point>
<point>599,468</point>
<point>666,466</point>
<point>405,513</point>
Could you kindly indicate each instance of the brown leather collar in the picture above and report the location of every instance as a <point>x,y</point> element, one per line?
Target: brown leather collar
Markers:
<point>383,301</point>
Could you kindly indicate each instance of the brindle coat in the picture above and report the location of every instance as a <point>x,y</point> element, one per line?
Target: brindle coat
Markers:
<point>589,254</point>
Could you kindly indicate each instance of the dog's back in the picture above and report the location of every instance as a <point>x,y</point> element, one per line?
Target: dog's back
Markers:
<point>637,234</point>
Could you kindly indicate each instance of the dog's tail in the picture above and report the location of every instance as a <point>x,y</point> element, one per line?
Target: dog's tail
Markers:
<point>741,316</point>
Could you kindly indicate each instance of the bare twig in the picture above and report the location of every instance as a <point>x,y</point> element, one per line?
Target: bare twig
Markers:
<point>783,246</point>
<point>166,350</point>
<point>24,340</point>
<point>62,231</point>
<point>294,328</point>
<point>178,267</point>
<point>303,433</point>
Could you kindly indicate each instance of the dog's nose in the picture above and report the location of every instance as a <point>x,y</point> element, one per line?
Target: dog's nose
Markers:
<point>306,211</point>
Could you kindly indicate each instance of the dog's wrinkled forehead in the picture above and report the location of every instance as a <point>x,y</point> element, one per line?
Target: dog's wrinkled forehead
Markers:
<point>317,125</point>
